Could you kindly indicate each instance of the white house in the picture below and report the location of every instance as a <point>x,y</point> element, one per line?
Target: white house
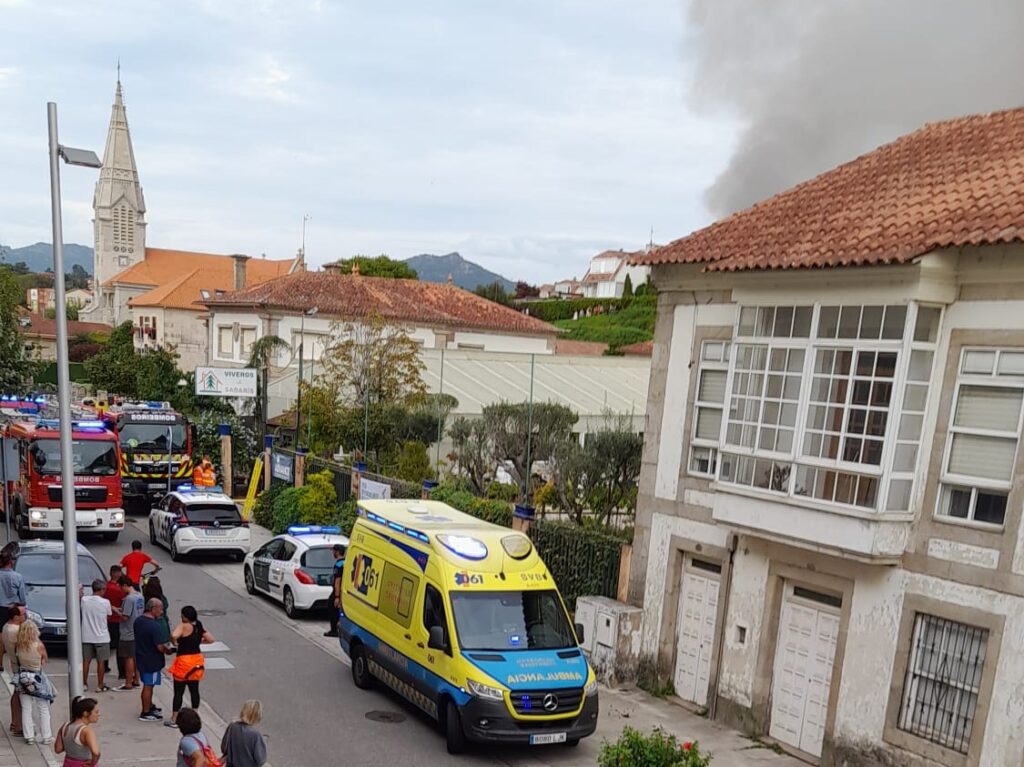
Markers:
<point>829,548</point>
<point>606,276</point>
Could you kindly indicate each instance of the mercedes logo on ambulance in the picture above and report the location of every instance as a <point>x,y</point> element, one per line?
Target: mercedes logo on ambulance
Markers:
<point>550,702</point>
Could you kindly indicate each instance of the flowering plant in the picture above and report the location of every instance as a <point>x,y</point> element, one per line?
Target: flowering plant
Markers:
<point>657,749</point>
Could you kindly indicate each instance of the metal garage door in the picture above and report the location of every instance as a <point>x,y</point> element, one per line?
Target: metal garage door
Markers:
<point>696,619</point>
<point>808,629</point>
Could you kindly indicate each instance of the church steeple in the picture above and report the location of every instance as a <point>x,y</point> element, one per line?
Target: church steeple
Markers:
<point>119,208</point>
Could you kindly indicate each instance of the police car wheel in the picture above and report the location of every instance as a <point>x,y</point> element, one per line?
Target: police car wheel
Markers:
<point>175,554</point>
<point>289,603</point>
<point>152,535</point>
<point>361,675</point>
<point>455,738</point>
<point>250,584</point>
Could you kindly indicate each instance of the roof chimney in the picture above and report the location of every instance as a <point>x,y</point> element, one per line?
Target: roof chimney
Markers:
<point>333,268</point>
<point>239,281</point>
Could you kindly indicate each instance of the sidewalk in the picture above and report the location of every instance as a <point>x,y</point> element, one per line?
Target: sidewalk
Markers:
<point>123,739</point>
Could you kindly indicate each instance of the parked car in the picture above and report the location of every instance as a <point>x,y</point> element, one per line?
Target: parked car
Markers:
<point>41,564</point>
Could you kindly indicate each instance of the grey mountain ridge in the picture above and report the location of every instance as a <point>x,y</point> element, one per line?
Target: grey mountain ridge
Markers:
<point>465,274</point>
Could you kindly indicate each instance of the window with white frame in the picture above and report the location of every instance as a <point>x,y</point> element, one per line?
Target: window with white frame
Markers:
<point>712,375</point>
<point>312,345</point>
<point>940,689</point>
<point>246,338</point>
<point>984,430</point>
<point>226,341</point>
<point>811,396</point>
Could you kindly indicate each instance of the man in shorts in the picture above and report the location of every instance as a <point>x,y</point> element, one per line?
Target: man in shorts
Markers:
<point>150,649</point>
<point>95,635</point>
<point>131,608</point>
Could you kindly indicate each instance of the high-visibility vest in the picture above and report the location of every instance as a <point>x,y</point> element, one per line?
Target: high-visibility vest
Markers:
<point>209,477</point>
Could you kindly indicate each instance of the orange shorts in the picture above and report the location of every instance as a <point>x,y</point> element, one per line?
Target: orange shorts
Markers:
<point>188,668</point>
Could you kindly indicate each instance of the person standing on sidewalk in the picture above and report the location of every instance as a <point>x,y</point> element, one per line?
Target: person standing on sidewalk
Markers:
<point>131,608</point>
<point>95,635</point>
<point>194,749</point>
<point>242,744</point>
<point>9,656</point>
<point>77,739</point>
<point>150,649</point>
<point>339,562</point>
<point>189,667</point>
<point>115,596</point>
<point>155,590</point>
<point>12,584</point>
<point>37,692</point>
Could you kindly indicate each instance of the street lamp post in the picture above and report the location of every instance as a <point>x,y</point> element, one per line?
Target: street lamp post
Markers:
<point>86,159</point>
<point>298,399</point>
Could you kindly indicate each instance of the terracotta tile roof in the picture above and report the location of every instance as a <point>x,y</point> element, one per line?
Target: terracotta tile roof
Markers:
<point>639,349</point>
<point>161,266</point>
<point>580,348</point>
<point>178,276</point>
<point>959,182</point>
<point>353,297</point>
<point>41,327</point>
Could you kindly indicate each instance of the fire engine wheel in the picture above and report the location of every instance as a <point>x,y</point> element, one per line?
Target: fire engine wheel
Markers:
<point>23,531</point>
<point>111,537</point>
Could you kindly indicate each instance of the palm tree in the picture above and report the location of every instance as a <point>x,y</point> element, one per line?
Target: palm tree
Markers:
<point>260,355</point>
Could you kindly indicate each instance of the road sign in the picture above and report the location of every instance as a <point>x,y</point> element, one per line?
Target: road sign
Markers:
<point>281,466</point>
<point>370,489</point>
<point>226,382</point>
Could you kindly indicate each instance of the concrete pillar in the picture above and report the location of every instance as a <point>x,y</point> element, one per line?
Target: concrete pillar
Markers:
<point>300,467</point>
<point>226,482</point>
<point>357,474</point>
<point>268,448</point>
<point>625,562</point>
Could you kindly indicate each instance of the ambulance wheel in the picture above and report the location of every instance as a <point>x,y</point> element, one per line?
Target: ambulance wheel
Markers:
<point>361,675</point>
<point>250,584</point>
<point>454,736</point>
<point>289,603</point>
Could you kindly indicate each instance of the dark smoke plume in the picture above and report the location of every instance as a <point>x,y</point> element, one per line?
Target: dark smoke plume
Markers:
<point>819,82</point>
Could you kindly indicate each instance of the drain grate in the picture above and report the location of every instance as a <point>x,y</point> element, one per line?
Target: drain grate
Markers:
<point>387,717</point>
<point>212,613</point>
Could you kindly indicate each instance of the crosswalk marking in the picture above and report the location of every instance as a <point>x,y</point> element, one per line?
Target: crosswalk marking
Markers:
<point>217,663</point>
<point>215,647</point>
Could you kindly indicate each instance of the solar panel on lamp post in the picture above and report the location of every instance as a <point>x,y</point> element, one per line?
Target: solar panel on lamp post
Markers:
<point>86,159</point>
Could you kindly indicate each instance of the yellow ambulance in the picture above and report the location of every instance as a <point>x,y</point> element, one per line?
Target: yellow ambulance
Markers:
<point>462,618</point>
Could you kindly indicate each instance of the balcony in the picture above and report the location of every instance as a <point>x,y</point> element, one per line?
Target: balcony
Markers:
<point>862,535</point>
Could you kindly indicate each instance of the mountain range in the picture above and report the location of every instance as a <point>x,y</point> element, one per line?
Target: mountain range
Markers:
<point>465,274</point>
<point>39,257</point>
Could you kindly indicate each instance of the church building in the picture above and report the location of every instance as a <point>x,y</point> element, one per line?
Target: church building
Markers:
<point>156,288</point>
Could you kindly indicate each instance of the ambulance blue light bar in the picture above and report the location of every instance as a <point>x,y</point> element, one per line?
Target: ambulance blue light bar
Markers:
<point>397,527</point>
<point>314,530</point>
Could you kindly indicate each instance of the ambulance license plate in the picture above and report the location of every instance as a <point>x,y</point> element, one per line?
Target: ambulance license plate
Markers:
<point>546,738</point>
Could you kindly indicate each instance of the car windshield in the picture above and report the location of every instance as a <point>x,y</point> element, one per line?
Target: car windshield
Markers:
<point>208,513</point>
<point>152,436</point>
<point>319,559</point>
<point>511,620</point>
<point>91,457</point>
<point>47,568</point>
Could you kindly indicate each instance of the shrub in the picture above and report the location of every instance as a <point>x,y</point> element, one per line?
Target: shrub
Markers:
<point>263,509</point>
<point>501,492</point>
<point>318,502</point>
<point>286,509</point>
<point>345,516</point>
<point>657,749</point>
<point>487,509</point>
<point>414,462</point>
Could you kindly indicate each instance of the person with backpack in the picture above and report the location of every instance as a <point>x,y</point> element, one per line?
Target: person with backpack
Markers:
<point>194,749</point>
<point>77,739</point>
<point>242,744</point>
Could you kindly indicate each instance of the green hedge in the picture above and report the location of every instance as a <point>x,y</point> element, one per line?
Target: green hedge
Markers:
<point>563,309</point>
<point>584,562</point>
<point>490,510</point>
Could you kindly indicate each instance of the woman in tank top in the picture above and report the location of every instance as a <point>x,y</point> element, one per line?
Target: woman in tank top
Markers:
<point>189,666</point>
<point>77,739</point>
<point>35,688</point>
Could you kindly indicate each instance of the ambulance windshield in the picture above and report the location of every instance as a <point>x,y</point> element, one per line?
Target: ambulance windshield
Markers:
<point>511,620</point>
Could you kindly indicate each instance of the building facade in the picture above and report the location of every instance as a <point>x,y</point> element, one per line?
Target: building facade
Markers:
<point>828,550</point>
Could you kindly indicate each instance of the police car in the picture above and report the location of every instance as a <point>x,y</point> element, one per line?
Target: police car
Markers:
<point>295,568</point>
<point>198,519</point>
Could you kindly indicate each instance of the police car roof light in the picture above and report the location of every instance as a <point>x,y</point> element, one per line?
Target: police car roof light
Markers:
<point>314,530</point>
<point>464,545</point>
<point>188,488</point>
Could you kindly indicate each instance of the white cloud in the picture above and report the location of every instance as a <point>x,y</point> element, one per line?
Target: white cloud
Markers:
<point>7,73</point>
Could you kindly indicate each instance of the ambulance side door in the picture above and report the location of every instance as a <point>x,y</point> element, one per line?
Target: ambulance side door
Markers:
<point>438,661</point>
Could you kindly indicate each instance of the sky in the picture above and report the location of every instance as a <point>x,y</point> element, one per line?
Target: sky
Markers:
<point>526,135</point>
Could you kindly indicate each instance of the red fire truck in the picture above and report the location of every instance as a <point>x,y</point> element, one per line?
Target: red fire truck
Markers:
<point>35,496</point>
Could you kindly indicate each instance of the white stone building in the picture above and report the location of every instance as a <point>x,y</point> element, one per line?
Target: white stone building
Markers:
<point>606,277</point>
<point>829,549</point>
